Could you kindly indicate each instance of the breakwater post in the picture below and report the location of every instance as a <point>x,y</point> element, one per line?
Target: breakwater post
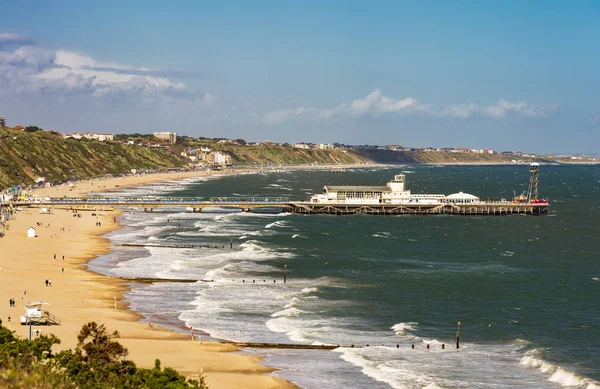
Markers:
<point>284,274</point>
<point>458,336</point>
<point>230,241</point>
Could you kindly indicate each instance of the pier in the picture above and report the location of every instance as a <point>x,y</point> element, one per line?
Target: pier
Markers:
<point>478,208</point>
<point>301,207</point>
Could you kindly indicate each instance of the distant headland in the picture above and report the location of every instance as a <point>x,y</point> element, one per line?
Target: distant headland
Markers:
<point>31,154</point>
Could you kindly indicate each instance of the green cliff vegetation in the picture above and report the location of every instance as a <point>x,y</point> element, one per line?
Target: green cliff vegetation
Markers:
<point>435,157</point>
<point>244,155</point>
<point>31,153</point>
<point>98,361</point>
<point>27,155</point>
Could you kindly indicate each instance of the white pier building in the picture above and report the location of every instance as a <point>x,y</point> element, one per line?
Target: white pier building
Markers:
<point>395,192</point>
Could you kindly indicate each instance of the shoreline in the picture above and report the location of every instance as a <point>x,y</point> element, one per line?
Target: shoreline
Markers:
<point>82,295</point>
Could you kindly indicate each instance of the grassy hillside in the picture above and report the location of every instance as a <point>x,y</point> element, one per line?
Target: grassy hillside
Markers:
<point>288,155</point>
<point>25,156</point>
<point>433,157</point>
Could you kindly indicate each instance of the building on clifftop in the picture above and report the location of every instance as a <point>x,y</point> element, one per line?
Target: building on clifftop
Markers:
<point>170,136</point>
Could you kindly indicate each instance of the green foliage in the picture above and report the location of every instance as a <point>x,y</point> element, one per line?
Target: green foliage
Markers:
<point>97,363</point>
<point>98,344</point>
<point>32,129</point>
<point>25,156</point>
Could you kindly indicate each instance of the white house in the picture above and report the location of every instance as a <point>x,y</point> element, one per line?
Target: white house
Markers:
<point>31,232</point>
<point>5,198</point>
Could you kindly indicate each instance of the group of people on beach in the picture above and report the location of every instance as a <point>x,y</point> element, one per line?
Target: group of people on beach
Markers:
<point>98,224</point>
<point>48,282</point>
<point>11,302</point>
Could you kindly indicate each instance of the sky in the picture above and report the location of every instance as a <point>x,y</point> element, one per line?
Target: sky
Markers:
<point>508,75</point>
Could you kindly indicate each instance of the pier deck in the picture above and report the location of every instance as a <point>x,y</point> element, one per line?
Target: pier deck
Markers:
<point>301,207</point>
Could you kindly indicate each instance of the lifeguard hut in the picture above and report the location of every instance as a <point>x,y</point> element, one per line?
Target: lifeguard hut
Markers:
<point>31,232</point>
<point>35,314</point>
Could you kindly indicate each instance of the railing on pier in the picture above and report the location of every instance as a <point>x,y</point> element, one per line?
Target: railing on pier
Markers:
<point>254,199</point>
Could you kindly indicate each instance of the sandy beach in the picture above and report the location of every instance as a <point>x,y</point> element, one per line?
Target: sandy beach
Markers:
<point>77,296</point>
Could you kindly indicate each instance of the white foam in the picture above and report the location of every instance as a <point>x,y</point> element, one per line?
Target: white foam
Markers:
<point>558,374</point>
<point>278,223</point>
<point>566,378</point>
<point>433,386</point>
<point>537,363</point>
<point>400,328</point>
<point>379,371</point>
<point>383,234</point>
<point>289,312</point>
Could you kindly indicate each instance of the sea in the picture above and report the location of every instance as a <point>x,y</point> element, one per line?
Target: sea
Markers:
<point>391,290</point>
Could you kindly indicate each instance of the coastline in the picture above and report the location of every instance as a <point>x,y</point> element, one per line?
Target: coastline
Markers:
<point>79,295</point>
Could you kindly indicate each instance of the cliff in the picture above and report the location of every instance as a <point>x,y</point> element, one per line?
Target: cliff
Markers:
<point>25,156</point>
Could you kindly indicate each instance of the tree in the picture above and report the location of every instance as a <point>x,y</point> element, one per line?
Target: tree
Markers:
<point>32,129</point>
<point>96,344</point>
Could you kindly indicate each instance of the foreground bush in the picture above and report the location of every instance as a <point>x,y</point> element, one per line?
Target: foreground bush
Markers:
<point>98,361</point>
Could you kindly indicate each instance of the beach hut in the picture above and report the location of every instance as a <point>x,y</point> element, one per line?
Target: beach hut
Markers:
<point>36,314</point>
<point>31,232</point>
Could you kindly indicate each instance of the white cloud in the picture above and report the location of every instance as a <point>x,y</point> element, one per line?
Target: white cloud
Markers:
<point>462,111</point>
<point>8,38</point>
<point>208,99</point>
<point>285,114</point>
<point>30,68</point>
<point>498,110</point>
<point>376,103</point>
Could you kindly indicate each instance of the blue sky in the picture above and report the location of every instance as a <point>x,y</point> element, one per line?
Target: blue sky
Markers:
<point>506,75</point>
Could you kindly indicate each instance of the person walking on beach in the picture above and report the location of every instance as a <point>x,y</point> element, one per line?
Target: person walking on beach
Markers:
<point>63,257</point>
<point>46,282</point>
<point>49,282</point>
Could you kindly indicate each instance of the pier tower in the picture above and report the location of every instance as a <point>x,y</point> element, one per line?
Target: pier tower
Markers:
<point>534,182</point>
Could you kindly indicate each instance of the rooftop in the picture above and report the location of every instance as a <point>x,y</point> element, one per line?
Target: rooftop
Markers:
<point>357,188</point>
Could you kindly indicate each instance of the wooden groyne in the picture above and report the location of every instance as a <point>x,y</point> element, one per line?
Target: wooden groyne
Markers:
<point>293,346</point>
<point>288,346</point>
<point>175,246</point>
<point>149,280</point>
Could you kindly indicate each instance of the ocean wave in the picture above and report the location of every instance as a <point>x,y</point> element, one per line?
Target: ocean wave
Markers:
<point>567,378</point>
<point>401,328</point>
<point>288,327</point>
<point>278,223</point>
<point>382,234</point>
<point>299,236</point>
<point>558,375</point>
<point>383,372</point>
<point>288,312</point>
